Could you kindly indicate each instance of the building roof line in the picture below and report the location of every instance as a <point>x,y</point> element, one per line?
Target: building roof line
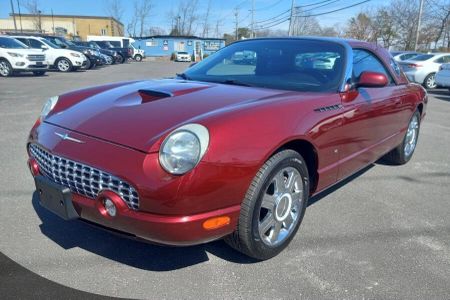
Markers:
<point>190,37</point>
<point>68,16</point>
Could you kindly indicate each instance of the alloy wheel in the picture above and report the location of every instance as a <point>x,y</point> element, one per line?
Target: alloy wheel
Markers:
<point>281,206</point>
<point>4,68</point>
<point>431,82</point>
<point>411,135</point>
<point>63,65</point>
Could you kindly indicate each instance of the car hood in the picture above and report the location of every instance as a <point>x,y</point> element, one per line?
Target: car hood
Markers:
<point>137,114</point>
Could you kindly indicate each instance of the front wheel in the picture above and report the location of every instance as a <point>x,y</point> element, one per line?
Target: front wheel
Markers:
<point>138,57</point>
<point>273,207</point>
<point>430,81</point>
<point>119,59</point>
<point>403,152</point>
<point>64,65</point>
<point>5,68</point>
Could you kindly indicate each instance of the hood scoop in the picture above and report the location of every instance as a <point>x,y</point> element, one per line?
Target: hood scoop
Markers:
<point>153,95</point>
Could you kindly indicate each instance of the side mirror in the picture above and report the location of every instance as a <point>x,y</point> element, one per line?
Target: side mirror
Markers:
<point>44,47</point>
<point>372,79</point>
<point>63,46</point>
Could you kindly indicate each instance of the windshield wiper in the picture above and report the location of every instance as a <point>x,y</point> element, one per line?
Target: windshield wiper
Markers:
<point>184,76</point>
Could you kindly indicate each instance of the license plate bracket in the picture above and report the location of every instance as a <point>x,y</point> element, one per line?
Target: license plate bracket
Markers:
<point>56,198</point>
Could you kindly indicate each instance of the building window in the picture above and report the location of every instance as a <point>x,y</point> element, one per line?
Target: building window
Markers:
<point>151,43</point>
<point>103,31</point>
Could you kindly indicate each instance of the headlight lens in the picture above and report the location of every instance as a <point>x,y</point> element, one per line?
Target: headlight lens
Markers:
<point>74,54</point>
<point>14,54</point>
<point>48,106</point>
<point>183,149</point>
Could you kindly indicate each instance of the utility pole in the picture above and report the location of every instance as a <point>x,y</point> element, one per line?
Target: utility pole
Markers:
<point>418,25</point>
<point>253,19</point>
<point>291,24</point>
<point>20,16</point>
<point>53,21</point>
<point>236,15</point>
<point>14,15</point>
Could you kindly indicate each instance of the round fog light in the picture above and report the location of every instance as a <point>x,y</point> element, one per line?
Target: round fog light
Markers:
<point>110,207</point>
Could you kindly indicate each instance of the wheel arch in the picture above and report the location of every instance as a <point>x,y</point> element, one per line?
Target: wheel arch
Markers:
<point>309,153</point>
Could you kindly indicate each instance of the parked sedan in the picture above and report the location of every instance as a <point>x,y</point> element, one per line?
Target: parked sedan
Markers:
<point>443,76</point>
<point>422,68</point>
<point>63,60</point>
<point>182,56</point>
<point>403,55</point>
<point>225,150</point>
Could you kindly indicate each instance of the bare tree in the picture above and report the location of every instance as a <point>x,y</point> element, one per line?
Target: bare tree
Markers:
<point>32,7</point>
<point>206,19</point>
<point>360,28</point>
<point>115,10</point>
<point>144,10</point>
<point>184,19</point>
<point>384,26</point>
<point>303,24</point>
<point>406,14</point>
<point>131,27</point>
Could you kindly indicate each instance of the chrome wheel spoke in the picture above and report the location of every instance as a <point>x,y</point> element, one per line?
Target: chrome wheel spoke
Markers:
<point>268,202</point>
<point>266,224</point>
<point>292,182</point>
<point>288,221</point>
<point>279,183</point>
<point>275,232</point>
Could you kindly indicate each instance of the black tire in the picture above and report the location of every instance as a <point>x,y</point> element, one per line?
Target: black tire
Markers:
<point>399,156</point>
<point>64,65</point>
<point>120,59</point>
<point>88,64</point>
<point>138,57</point>
<point>5,68</point>
<point>430,81</point>
<point>39,73</point>
<point>110,62</point>
<point>247,238</point>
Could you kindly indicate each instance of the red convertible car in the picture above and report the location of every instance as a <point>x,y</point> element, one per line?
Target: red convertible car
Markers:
<point>233,148</point>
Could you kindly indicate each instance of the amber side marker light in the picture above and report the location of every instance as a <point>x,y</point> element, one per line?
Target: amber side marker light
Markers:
<point>216,222</point>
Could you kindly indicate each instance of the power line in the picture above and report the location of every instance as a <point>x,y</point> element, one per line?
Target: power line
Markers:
<point>332,11</point>
<point>270,6</point>
<point>326,4</point>
<point>264,21</point>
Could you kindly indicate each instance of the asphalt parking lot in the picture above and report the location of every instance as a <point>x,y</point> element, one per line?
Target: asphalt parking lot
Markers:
<point>383,235</point>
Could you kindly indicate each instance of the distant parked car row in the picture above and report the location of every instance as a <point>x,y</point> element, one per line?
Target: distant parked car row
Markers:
<point>422,68</point>
<point>37,54</point>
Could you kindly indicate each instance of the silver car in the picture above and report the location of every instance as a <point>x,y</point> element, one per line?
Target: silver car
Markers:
<point>400,56</point>
<point>443,76</point>
<point>423,68</point>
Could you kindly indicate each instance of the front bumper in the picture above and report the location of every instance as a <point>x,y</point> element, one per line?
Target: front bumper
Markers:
<point>163,216</point>
<point>22,64</point>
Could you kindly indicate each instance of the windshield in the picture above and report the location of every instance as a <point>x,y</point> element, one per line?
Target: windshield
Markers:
<point>422,57</point>
<point>182,53</point>
<point>94,45</point>
<point>10,43</point>
<point>299,65</point>
<point>50,44</point>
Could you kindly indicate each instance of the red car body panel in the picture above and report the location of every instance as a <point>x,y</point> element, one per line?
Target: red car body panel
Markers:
<point>123,129</point>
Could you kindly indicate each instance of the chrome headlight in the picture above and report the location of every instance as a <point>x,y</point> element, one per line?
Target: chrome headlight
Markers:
<point>48,106</point>
<point>183,149</point>
<point>14,54</point>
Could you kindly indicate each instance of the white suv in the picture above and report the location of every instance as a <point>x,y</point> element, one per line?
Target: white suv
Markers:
<point>63,60</point>
<point>17,57</point>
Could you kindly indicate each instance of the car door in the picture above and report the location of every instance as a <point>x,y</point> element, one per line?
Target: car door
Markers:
<point>369,118</point>
<point>48,51</point>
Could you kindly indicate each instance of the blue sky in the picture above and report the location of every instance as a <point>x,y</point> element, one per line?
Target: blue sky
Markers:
<point>223,10</point>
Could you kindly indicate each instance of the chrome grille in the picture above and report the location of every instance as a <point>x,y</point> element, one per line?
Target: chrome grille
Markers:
<point>82,179</point>
<point>36,57</point>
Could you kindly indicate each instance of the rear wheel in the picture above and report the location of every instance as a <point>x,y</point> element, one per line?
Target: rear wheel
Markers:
<point>109,60</point>
<point>5,68</point>
<point>39,73</point>
<point>88,64</point>
<point>403,153</point>
<point>273,207</point>
<point>64,65</point>
<point>430,81</point>
<point>119,59</point>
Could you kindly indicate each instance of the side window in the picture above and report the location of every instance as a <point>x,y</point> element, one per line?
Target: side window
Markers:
<point>443,59</point>
<point>23,40</point>
<point>35,44</point>
<point>365,61</point>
